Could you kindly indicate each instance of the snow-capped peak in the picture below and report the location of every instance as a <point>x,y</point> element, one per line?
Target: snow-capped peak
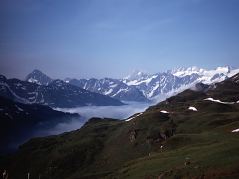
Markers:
<point>177,79</point>
<point>225,69</point>
<point>181,72</point>
<point>136,75</point>
<point>206,76</point>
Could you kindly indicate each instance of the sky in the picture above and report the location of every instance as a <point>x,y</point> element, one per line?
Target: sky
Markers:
<point>111,38</point>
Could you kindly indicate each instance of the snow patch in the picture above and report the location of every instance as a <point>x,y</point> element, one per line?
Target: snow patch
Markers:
<point>165,112</point>
<point>218,101</point>
<point>113,85</point>
<point>32,80</point>
<point>134,117</point>
<point>236,130</point>
<point>120,90</point>
<point>108,92</point>
<point>192,108</point>
<point>153,90</point>
<point>19,109</point>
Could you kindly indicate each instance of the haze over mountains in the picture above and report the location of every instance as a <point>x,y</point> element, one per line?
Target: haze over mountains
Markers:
<point>143,87</point>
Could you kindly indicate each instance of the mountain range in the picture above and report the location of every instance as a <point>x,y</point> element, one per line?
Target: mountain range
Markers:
<point>56,93</point>
<point>111,87</point>
<point>176,80</point>
<point>141,86</point>
<point>193,134</point>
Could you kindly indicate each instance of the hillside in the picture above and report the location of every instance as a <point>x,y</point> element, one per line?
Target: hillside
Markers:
<point>186,136</point>
<point>20,122</point>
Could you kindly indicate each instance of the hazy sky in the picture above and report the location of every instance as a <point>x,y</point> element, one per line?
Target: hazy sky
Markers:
<point>111,38</point>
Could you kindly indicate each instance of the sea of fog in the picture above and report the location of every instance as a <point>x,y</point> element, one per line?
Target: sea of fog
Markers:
<point>116,112</point>
<point>87,112</point>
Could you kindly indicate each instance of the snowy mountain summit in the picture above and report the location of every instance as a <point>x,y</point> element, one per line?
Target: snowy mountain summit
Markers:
<point>174,81</point>
<point>180,72</point>
<point>136,75</point>
<point>207,76</point>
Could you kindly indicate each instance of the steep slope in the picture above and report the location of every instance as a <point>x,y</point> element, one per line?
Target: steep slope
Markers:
<point>163,83</point>
<point>111,87</point>
<point>55,94</point>
<point>36,76</point>
<point>20,121</point>
<point>186,136</point>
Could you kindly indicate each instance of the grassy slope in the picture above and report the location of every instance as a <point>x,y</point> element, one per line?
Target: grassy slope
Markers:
<point>203,138</point>
<point>212,152</point>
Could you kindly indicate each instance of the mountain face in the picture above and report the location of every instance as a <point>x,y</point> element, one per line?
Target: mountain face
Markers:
<point>140,86</point>
<point>174,81</point>
<point>111,87</point>
<point>38,77</point>
<point>56,94</point>
<point>162,83</point>
<point>190,135</point>
<point>21,121</point>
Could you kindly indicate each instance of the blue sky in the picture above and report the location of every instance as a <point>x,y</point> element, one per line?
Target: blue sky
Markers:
<point>111,38</point>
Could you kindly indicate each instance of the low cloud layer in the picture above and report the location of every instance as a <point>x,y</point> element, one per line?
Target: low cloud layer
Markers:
<point>87,112</point>
<point>116,112</point>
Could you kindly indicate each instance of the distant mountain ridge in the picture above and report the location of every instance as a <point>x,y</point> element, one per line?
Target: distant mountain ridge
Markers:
<point>176,80</point>
<point>140,86</point>
<point>56,94</point>
<point>111,87</point>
